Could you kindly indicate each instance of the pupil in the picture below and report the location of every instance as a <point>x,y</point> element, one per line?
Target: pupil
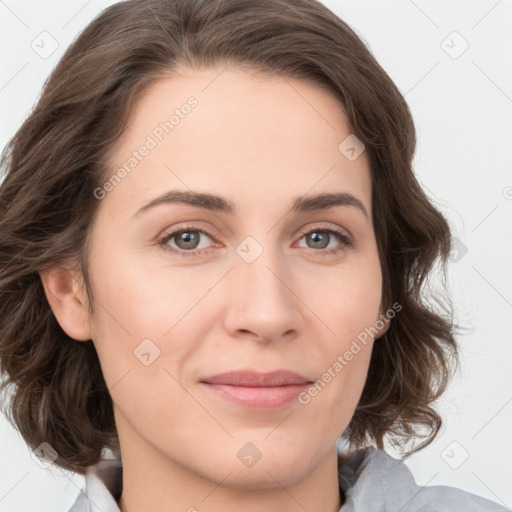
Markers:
<point>188,240</point>
<point>319,238</point>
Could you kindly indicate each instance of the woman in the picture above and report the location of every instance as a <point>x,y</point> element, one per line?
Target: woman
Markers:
<point>213,250</point>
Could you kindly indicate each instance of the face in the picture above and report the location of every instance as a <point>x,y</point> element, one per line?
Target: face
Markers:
<point>245,277</point>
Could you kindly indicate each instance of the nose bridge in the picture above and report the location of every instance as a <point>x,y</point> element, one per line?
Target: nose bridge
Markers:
<point>262,300</point>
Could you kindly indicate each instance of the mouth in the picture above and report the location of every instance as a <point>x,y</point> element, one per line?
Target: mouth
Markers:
<point>254,390</point>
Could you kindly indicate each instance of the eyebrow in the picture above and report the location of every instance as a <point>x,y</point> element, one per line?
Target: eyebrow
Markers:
<point>219,204</point>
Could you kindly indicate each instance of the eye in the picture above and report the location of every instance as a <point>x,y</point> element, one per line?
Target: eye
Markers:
<point>189,240</point>
<point>321,238</point>
<point>185,241</point>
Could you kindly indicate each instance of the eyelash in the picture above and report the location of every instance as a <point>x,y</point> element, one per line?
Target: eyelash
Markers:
<point>345,239</point>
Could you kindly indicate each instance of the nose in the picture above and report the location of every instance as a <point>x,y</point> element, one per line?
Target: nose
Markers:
<point>261,302</point>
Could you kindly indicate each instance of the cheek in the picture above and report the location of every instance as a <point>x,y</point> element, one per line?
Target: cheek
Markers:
<point>351,301</point>
<point>148,313</point>
<point>351,310</point>
<point>148,299</point>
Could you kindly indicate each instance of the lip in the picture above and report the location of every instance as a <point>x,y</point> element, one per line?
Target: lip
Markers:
<point>251,378</point>
<point>255,390</point>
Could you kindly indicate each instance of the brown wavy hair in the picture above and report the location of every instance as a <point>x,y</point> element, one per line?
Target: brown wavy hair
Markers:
<point>59,155</point>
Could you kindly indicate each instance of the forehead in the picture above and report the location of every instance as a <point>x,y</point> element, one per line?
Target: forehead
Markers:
<point>228,131</point>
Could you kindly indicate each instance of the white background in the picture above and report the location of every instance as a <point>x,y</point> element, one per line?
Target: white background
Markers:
<point>463,112</point>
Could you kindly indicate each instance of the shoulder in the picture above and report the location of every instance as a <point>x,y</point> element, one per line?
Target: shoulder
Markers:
<point>372,480</point>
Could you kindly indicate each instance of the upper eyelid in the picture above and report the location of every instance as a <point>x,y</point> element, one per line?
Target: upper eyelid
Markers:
<point>301,231</point>
<point>175,231</point>
<point>306,230</point>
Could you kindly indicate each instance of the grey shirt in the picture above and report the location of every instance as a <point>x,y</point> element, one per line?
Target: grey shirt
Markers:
<point>371,480</point>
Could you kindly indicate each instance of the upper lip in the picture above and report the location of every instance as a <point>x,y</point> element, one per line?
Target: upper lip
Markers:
<point>251,378</point>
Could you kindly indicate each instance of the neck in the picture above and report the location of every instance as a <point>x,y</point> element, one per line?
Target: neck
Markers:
<point>154,483</point>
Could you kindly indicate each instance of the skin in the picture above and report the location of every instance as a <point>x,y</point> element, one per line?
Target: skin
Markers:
<point>258,141</point>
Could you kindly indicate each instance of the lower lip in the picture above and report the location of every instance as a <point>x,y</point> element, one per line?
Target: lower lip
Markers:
<point>258,397</point>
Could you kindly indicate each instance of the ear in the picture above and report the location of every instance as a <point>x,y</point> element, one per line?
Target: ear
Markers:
<point>65,292</point>
<point>383,322</point>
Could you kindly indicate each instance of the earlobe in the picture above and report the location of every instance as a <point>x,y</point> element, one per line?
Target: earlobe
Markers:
<point>66,295</point>
<point>382,324</point>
